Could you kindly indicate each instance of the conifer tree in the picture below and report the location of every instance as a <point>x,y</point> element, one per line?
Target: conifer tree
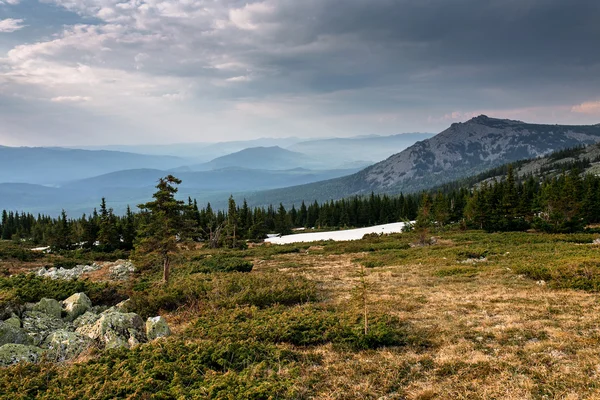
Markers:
<point>162,224</point>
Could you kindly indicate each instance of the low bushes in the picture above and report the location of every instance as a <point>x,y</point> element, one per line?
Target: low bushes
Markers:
<point>221,264</point>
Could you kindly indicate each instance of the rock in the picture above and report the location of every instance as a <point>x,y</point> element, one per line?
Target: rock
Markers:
<point>13,321</point>
<point>76,305</point>
<point>48,306</point>
<point>39,325</point>
<point>596,241</point>
<point>62,345</point>
<point>157,327</point>
<point>122,307</point>
<point>13,334</point>
<point>87,318</point>
<point>115,330</point>
<point>13,353</point>
<point>67,274</point>
<point>121,270</point>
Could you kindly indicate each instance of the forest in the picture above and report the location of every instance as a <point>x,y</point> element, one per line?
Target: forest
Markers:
<point>565,203</point>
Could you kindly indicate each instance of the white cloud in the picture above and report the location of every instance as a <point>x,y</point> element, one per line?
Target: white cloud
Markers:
<point>241,78</point>
<point>11,25</point>
<point>10,2</point>
<point>71,99</point>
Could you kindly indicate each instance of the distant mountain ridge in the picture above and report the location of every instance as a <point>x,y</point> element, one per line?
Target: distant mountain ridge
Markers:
<point>54,165</point>
<point>271,158</point>
<point>462,150</point>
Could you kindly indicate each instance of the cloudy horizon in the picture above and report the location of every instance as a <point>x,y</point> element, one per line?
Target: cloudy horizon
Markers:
<point>91,72</point>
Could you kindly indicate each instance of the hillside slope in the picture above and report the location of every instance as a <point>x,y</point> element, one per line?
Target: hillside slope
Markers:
<point>462,150</point>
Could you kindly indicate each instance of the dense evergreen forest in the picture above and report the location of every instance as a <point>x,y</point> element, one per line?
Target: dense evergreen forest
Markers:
<point>566,203</point>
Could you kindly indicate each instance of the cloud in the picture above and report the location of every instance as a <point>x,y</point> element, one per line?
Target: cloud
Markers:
<point>403,64</point>
<point>10,2</point>
<point>71,99</point>
<point>589,107</point>
<point>10,24</point>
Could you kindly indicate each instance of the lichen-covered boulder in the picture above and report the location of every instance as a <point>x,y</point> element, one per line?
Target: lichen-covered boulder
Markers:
<point>13,334</point>
<point>39,325</point>
<point>13,353</point>
<point>13,321</point>
<point>115,330</point>
<point>157,327</point>
<point>76,305</point>
<point>62,345</point>
<point>48,306</point>
<point>122,307</point>
<point>87,318</point>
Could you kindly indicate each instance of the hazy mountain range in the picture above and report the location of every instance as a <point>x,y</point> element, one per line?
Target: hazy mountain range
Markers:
<point>308,170</point>
<point>462,150</point>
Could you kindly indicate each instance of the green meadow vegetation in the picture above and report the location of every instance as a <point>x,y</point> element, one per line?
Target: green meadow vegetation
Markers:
<point>474,315</point>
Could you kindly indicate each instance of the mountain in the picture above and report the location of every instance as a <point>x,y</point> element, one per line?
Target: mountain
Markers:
<point>132,187</point>
<point>265,158</point>
<point>367,149</point>
<point>52,166</point>
<point>198,151</point>
<point>462,150</point>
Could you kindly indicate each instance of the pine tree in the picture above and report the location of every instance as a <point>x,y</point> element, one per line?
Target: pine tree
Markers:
<point>162,224</point>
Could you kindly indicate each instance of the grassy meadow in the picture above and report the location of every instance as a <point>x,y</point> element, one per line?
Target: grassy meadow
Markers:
<point>473,316</point>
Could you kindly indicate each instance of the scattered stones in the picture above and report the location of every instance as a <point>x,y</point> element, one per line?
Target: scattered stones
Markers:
<point>76,305</point>
<point>115,329</point>
<point>157,327</point>
<point>12,353</point>
<point>596,241</point>
<point>62,345</point>
<point>121,270</point>
<point>541,283</point>
<point>13,334</point>
<point>48,306</point>
<point>474,260</point>
<point>67,274</point>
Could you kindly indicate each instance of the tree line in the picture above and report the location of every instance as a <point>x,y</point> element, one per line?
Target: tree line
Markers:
<point>564,203</point>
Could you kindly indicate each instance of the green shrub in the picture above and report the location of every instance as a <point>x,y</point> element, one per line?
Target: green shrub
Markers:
<point>11,251</point>
<point>455,271</point>
<point>222,264</point>
<point>226,290</point>
<point>68,263</point>
<point>171,369</point>
<point>305,325</point>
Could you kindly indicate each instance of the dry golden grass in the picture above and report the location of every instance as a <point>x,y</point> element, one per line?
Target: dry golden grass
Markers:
<point>495,334</point>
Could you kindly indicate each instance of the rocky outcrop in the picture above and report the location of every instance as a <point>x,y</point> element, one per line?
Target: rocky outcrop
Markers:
<point>76,305</point>
<point>157,327</point>
<point>115,329</point>
<point>42,331</point>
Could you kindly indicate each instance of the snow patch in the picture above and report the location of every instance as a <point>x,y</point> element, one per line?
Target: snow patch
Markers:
<point>338,236</point>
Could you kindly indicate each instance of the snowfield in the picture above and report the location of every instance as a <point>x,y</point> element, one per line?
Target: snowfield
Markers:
<point>338,236</point>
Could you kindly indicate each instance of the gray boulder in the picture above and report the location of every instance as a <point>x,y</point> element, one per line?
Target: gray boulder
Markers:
<point>13,353</point>
<point>48,306</point>
<point>88,318</point>
<point>115,330</point>
<point>122,307</point>
<point>9,333</point>
<point>62,345</point>
<point>157,327</point>
<point>39,325</point>
<point>76,305</point>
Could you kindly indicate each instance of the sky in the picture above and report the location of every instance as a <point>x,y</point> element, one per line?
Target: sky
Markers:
<point>96,72</point>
